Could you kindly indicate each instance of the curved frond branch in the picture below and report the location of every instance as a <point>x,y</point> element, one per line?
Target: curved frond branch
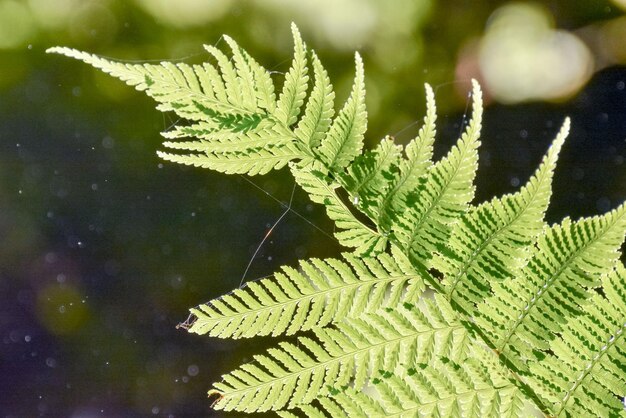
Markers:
<point>294,90</point>
<point>419,153</point>
<point>344,140</point>
<point>445,192</point>
<point>585,374</point>
<point>554,286</point>
<point>318,293</point>
<point>491,241</point>
<point>176,87</point>
<point>353,232</point>
<point>346,355</point>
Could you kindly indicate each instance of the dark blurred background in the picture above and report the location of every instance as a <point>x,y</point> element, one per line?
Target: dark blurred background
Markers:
<point>103,248</point>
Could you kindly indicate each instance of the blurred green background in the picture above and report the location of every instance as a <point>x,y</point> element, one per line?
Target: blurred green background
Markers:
<point>103,248</point>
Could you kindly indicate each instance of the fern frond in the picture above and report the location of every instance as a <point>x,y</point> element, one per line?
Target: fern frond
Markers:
<point>344,140</point>
<point>492,240</point>
<point>318,293</point>
<point>346,355</point>
<point>296,81</point>
<point>444,193</point>
<point>319,109</point>
<point>419,153</point>
<point>177,87</point>
<point>525,315</point>
<point>565,265</point>
<point>258,84</point>
<point>321,189</point>
<point>245,74</point>
<point>586,374</point>
<point>232,82</point>
<point>367,178</point>
<point>441,388</point>
<point>234,133</point>
<point>251,161</point>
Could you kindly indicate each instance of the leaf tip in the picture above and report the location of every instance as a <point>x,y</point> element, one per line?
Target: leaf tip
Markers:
<point>429,89</point>
<point>295,32</point>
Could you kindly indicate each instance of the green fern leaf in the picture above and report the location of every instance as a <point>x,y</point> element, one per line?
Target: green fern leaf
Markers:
<point>254,134</point>
<point>442,388</point>
<point>321,189</point>
<point>369,175</point>
<point>565,264</point>
<point>234,85</point>
<point>586,374</point>
<point>491,241</point>
<point>444,194</point>
<point>320,292</point>
<point>297,374</point>
<point>523,318</point>
<point>229,105</point>
<point>251,161</point>
<point>419,153</point>
<point>245,74</point>
<point>296,82</point>
<point>319,110</point>
<point>344,141</point>
<point>177,87</point>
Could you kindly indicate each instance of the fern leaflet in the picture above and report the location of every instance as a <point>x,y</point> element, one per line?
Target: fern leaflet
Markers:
<point>344,140</point>
<point>319,110</point>
<point>490,242</point>
<point>444,194</point>
<point>296,81</point>
<point>298,373</point>
<point>586,374</point>
<point>320,292</point>
<point>564,266</point>
<point>419,153</point>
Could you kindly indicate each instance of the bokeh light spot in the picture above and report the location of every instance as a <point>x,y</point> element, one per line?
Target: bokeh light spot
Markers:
<point>184,13</point>
<point>620,3</point>
<point>52,14</point>
<point>17,26</point>
<point>60,309</point>
<point>93,22</point>
<point>523,58</point>
<point>346,24</point>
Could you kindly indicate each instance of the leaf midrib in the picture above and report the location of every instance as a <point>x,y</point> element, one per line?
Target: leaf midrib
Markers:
<point>384,341</point>
<point>314,295</point>
<point>439,197</point>
<point>540,290</point>
<point>590,365</point>
<point>463,271</point>
<point>419,406</point>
